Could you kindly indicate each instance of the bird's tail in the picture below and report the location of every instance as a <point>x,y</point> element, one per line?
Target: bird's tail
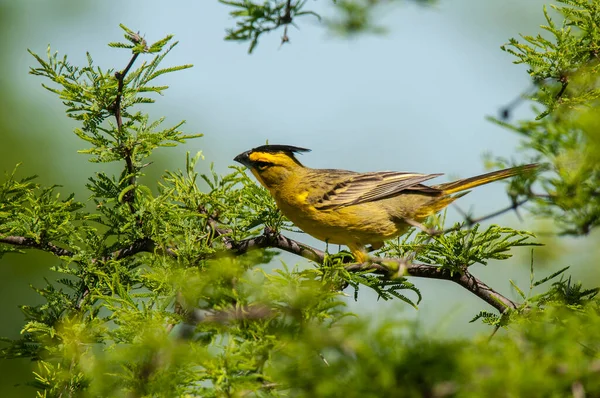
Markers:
<point>468,183</point>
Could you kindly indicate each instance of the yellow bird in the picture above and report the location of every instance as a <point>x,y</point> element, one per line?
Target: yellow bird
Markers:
<point>354,209</point>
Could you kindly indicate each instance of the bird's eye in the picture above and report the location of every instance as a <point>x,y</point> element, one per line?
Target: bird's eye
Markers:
<point>262,165</point>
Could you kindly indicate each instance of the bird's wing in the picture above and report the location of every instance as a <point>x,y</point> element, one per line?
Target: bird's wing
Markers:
<point>368,187</point>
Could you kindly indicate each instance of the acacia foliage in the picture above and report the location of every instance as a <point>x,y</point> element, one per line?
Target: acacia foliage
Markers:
<point>152,297</point>
<point>563,63</point>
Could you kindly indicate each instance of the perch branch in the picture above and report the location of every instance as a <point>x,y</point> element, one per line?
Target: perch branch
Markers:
<point>271,239</point>
<point>32,244</point>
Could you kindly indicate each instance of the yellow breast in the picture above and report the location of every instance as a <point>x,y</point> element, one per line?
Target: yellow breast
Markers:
<point>359,224</point>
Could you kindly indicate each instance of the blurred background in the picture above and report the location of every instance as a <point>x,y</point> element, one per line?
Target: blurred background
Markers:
<point>414,99</point>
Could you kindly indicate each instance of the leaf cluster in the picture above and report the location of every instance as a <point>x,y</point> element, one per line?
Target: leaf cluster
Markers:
<point>335,271</point>
<point>254,19</point>
<point>93,95</point>
<point>563,65</point>
<point>563,293</point>
<point>459,247</point>
<point>39,216</point>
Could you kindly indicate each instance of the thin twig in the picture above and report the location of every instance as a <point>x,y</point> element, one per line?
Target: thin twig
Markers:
<point>286,19</point>
<point>564,81</point>
<point>469,221</point>
<point>127,152</point>
<point>120,76</point>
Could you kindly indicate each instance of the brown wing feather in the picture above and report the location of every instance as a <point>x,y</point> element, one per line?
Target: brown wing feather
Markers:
<point>358,188</point>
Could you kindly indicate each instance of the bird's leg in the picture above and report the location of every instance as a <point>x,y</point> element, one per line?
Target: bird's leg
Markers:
<point>359,253</point>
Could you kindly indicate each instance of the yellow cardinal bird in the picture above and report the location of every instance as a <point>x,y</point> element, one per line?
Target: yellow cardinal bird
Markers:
<point>354,209</point>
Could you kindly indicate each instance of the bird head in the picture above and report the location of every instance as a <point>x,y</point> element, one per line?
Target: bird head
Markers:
<point>271,164</point>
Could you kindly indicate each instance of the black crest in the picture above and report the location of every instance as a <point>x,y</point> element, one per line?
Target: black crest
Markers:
<point>279,148</point>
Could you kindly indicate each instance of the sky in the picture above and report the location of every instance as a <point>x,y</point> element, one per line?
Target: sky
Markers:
<point>414,99</point>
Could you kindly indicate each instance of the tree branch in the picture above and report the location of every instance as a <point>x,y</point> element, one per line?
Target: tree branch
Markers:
<point>32,244</point>
<point>272,239</point>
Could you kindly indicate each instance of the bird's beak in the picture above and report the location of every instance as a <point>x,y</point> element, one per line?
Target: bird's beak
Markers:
<point>243,158</point>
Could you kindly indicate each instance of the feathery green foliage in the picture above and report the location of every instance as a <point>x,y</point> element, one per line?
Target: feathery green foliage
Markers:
<point>564,68</point>
<point>255,19</point>
<point>460,248</point>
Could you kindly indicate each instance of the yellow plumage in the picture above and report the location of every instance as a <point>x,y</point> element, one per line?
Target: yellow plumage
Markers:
<point>349,208</point>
